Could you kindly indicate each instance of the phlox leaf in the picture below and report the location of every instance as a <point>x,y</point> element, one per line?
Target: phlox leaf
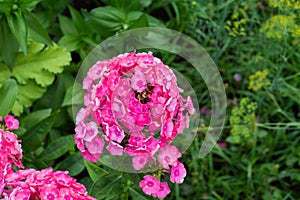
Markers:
<point>9,44</point>
<point>57,148</point>
<point>73,164</point>
<point>18,27</point>
<point>108,184</point>
<point>94,171</point>
<point>136,195</point>
<point>8,95</point>
<point>32,138</point>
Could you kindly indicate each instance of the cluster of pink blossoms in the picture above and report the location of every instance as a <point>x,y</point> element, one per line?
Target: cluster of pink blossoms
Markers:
<point>10,149</point>
<point>45,184</point>
<point>133,106</point>
<point>31,184</point>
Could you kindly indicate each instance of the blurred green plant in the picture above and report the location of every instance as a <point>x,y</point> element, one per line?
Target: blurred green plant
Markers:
<point>242,122</point>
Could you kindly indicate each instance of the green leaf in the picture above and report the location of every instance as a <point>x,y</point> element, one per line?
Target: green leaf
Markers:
<point>57,148</point>
<point>28,3</point>
<point>18,26</point>
<point>9,44</point>
<point>32,139</point>
<point>71,42</point>
<point>78,20</point>
<point>77,99</point>
<point>74,164</point>
<point>94,171</point>
<point>41,64</point>
<point>66,25</point>
<point>154,22</point>
<point>56,7</point>
<point>106,20</point>
<point>34,118</point>
<point>142,21</point>
<point>128,5</point>
<point>35,71</point>
<point>36,31</point>
<point>107,185</point>
<point>8,96</point>
<point>136,195</point>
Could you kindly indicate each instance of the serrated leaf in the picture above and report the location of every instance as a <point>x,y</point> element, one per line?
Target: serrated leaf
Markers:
<point>109,184</point>
<point>94,171</point>
<point>74,164</point>
<point>27,94</point>
<point>8,96</point>
<point>18,26</point>
<point>35,71</point>
<point>9,45</point>
<point>57,148</point>
<point>31,140</point>
<point>41,65</point>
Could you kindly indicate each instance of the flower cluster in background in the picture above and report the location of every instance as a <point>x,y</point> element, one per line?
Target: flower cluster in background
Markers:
<point>134,105</point>
<point>259,80</point>
<point>29,183</point>
<point>237,22</point>
<point>242,121</point>
<point>284,24</point>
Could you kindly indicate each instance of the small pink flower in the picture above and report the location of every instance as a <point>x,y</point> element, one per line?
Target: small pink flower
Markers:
<point>222,144</point>
<point>95,146</point>
<point>115,149</point>
<point>150,185</point>
<point>178,173</point>
<point>163,191</point>
<point>140,160</point>
<point>168,129</point>
<point>91,131</point>
<point>11,122</point>
<point>168,156</point>
<point>114,132</point>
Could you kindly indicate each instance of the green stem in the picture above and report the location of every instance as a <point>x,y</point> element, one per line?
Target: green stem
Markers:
<point>278,107</point>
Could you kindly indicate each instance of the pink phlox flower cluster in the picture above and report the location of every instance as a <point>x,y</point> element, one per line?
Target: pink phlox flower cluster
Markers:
<point>45,184</point>
<point>133,93</point>
<point>152,186</point>
<point>133,106</point>
<point>31,184</point>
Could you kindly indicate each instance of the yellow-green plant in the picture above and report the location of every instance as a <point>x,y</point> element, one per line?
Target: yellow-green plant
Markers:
<point>34,72</point>
<point>242,122</point>
<point>259,80</point>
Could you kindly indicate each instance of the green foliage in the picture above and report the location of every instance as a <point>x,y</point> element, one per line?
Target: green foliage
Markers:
<point>8,96</point>
<point>15,21</point>
<point>34,72</point>
<point>242,121</point>
<point>258,40</point>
